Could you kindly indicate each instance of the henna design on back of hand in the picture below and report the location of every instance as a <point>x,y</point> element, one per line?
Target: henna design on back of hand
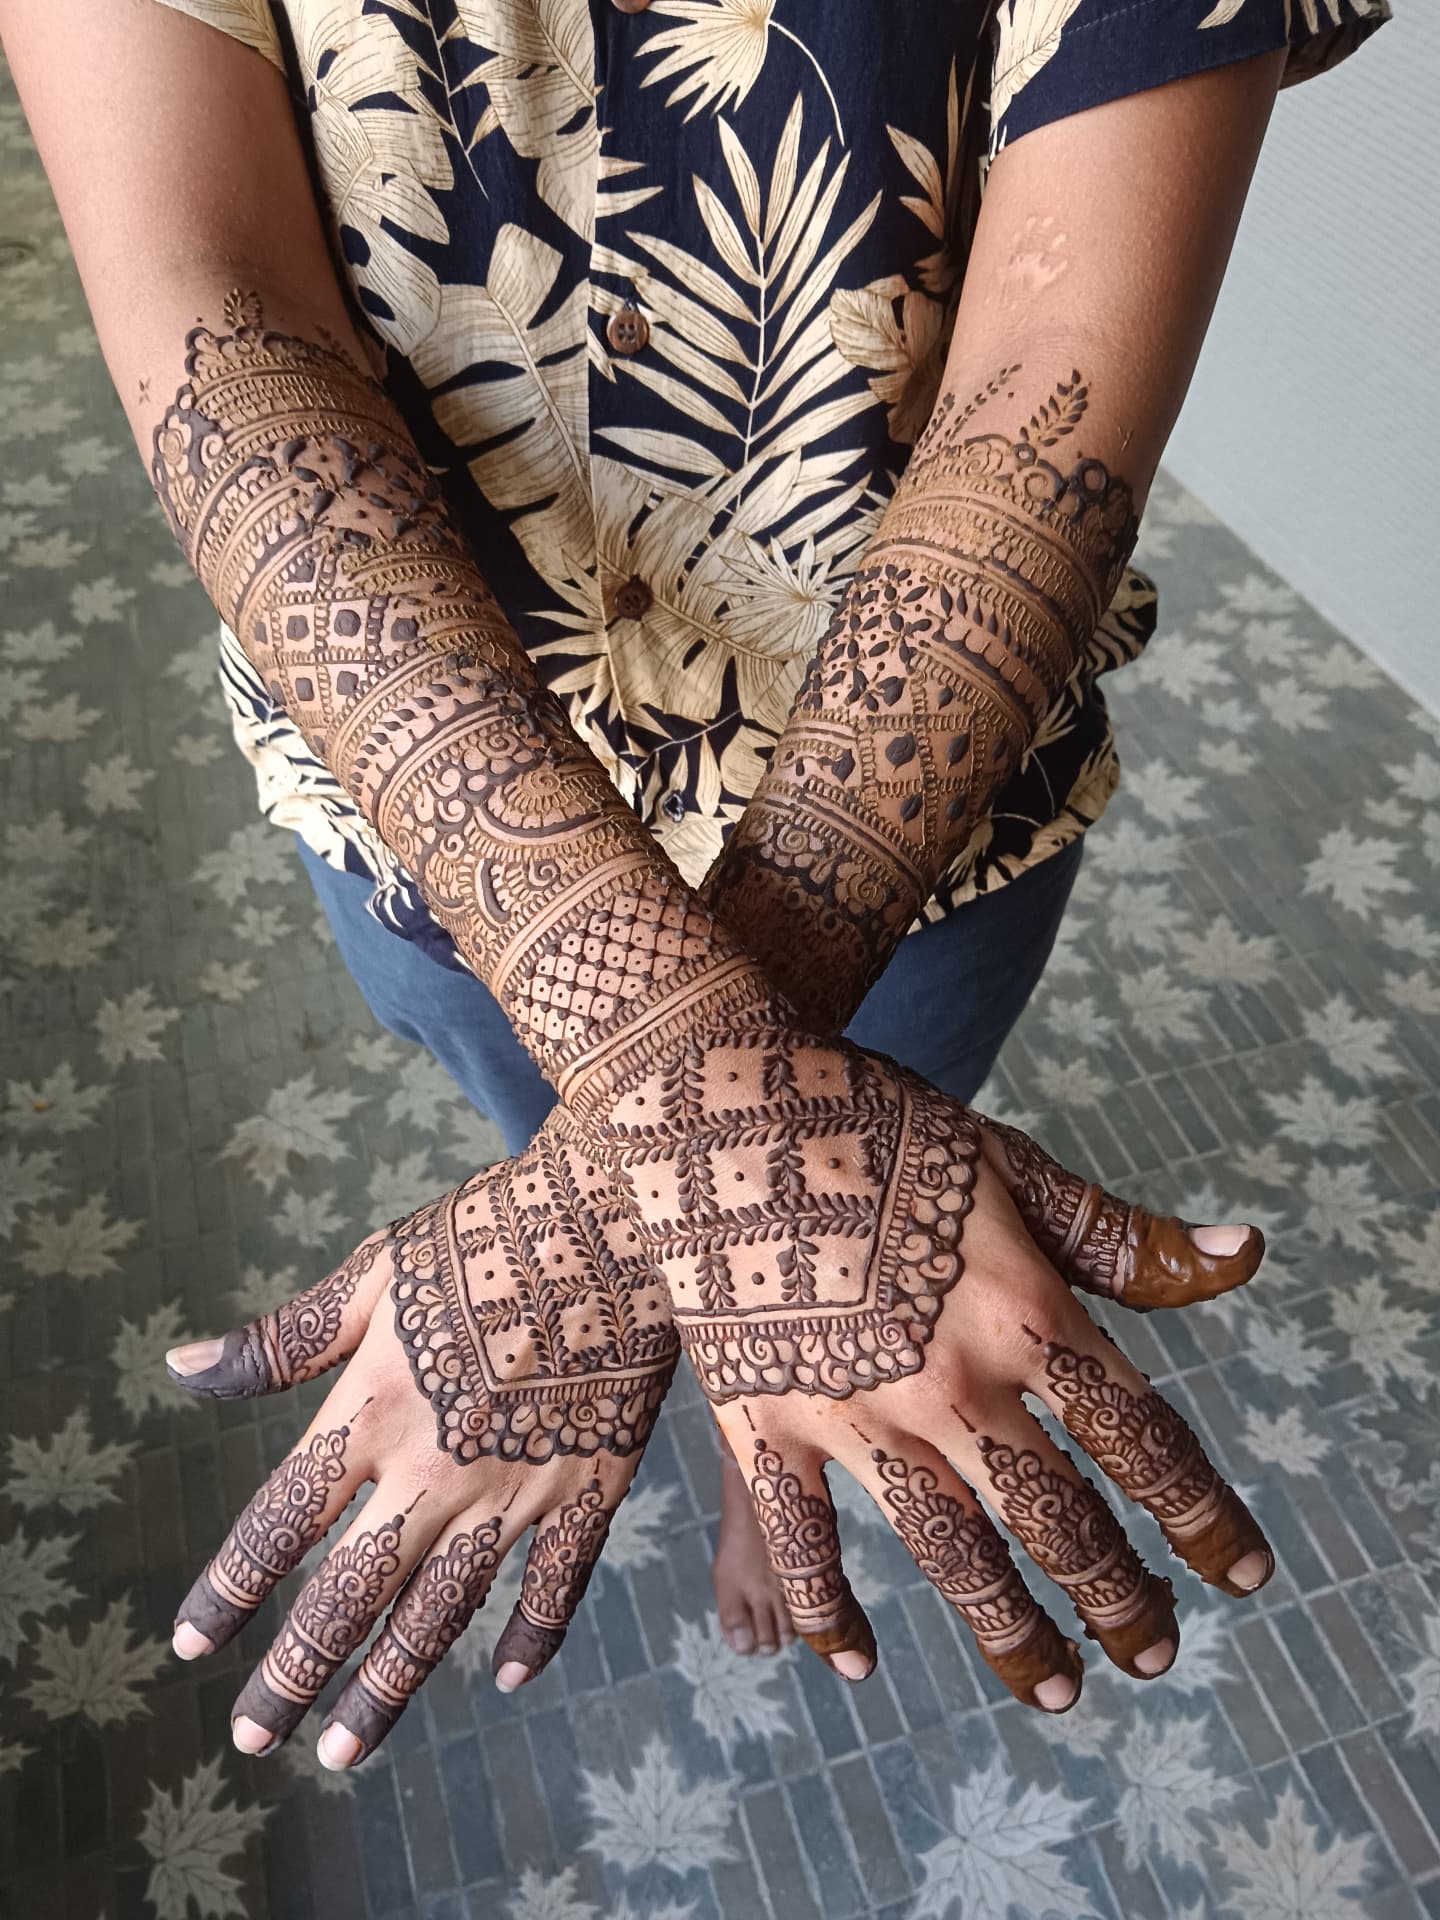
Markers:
<point>806,1204</point>
<point>533,1319</point>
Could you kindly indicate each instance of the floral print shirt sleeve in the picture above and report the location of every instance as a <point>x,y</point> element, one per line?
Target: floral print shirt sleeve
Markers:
<point>664,290</point>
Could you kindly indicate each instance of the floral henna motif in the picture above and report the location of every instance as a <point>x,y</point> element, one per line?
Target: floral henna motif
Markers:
<point>991,571</point>
<point>330,1618</point>
<point>281,1349</point>
<point>561,1560</point>
<point>1071,1534</point>
<point>533,1322</point>
<point>804,1548</point>
<point>270,1538</point>
<point>960,1553</point>
<point>839,1148</point>
<point>1108,1246</point>
<point>1155,1458</point>
<point>432,1611</point>
<point>313,522</point>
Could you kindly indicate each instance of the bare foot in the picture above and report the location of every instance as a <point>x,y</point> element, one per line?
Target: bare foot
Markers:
<point>752,1608</point>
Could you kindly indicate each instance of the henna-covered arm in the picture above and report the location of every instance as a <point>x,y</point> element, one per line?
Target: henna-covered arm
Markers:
<point>308,513</point>
<point>1096,261</point>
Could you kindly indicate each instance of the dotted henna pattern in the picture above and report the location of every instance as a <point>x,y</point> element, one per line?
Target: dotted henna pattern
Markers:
<point>992,569</point>
<point>533,1322</point>
<point>837,1149</point>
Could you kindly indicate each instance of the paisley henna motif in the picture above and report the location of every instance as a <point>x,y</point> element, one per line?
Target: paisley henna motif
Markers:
<point>561,1560</point>
<point>960,1553</point>
<point>803,1543</point>
<point>431,1612</point>
<point>331,1616</point>
<point>1153,1456</point>
<point>270,1538</point>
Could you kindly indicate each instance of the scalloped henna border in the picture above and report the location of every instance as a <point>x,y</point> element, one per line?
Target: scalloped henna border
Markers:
<point>836,1354</point>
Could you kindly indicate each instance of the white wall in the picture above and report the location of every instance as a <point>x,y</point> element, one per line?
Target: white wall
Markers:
<point>1313,426</point>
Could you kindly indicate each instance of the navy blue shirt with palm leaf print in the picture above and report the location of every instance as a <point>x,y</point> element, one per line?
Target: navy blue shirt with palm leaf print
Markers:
<point>664,291</point>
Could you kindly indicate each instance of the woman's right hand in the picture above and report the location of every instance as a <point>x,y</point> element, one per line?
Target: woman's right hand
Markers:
<point>510,1353</point>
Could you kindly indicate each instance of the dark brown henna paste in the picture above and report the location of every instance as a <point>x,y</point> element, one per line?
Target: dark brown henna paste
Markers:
<point>1155,1458</point>
<point>1072,1536</point>
<point>817,1145</point>
<point>332,1614</point>
<point>990,573</point>
<point>312,520</point>
<point>270,1539</point>
<point>803,1543</point>
<point>432,1611</point>
<point>959,1552</point>
<point>1109,1247</point>
<point>291,1345</point>
<point>533,1320</point>
<point>558,1567</point>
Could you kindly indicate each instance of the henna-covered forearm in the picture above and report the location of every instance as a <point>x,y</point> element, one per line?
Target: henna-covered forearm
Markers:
<point>990,572</point>
<point>309,515</point>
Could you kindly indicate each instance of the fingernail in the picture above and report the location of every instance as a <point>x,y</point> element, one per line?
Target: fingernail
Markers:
<point>196,1358</point>
<point>1220,1240</point>
<point>1058,1692</point>
<point>740,1640</point>
<point>250,1737</point>
<point>850,1665</point>
<point>1155,1659</point>
<point>338,1748</point>
<point>1250,1571</point>
<point>513,1674</point>
<point>188,1642</point>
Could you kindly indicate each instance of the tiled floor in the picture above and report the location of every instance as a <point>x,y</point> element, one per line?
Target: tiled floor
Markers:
<point>196,1114</point>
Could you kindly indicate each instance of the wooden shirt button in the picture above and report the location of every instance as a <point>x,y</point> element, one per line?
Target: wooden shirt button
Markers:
<point>632,601</point>
<point>627,330</point>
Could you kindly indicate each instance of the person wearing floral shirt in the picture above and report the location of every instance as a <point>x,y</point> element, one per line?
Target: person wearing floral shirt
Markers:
<point>663,293</point>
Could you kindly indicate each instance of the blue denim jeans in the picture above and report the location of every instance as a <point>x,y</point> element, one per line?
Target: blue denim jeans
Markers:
<point>943,1008</point>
